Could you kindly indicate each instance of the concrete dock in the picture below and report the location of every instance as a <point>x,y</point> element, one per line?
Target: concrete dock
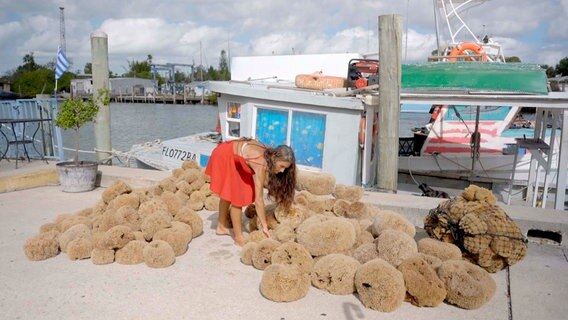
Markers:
<point>209,281</point>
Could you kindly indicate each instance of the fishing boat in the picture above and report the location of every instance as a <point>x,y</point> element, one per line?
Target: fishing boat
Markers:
<point>475,132</point>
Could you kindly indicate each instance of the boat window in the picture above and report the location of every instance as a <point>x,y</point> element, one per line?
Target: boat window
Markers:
<point>233,110</point>
<point>308,138</point>
<point>305,133</point>
<point>272,126</point>
<point>233,119</point>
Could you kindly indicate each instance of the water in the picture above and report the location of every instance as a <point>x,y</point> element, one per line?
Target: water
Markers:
<point>134,123</point>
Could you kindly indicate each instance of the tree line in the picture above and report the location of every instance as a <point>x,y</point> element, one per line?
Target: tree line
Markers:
<point>30,78</point>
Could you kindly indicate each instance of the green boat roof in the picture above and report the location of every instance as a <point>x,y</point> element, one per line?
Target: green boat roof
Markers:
<point>474,76</point>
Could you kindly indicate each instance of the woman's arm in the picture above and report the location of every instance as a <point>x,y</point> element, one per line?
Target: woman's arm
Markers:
<point>259,178</point>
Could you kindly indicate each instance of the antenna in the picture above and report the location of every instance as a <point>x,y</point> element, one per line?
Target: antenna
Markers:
<point>62,30</point>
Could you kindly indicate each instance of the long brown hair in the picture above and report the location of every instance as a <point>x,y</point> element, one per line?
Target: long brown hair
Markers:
<point>281,185</point>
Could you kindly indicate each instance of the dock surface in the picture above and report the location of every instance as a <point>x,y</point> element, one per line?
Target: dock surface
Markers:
<point>210,282</point>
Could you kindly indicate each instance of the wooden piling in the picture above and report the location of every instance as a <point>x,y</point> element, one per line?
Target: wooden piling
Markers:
<point>99,56</point>
<point>390,44</point>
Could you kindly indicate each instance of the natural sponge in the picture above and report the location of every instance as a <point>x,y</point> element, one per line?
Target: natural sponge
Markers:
<point>387,219</point>
<point>79,248</point>
<point>293,253</point>
<point>480,228</point>
<point>443,250</point>
<point>349,193</point>
<point>262,255</point>
<point>117,237</point>
<point>154,223</point>
<point>423,286</point>
<point>131,253</point>
<point>76,231</point>
<point>317,183</point>
<point>366,252</point>
<point>178,238</point>
<point>247,251</point>
<point>43,246</point>
<point>117,188</point>
<point>333,235</point>
<point>284,283</point>
<point>395,246</point>
<point>335,273</point>
<point>159,254</point>
<point>469,286</point>
<point>380,286</point>
<point>102,256</point>
<point>191,218</point>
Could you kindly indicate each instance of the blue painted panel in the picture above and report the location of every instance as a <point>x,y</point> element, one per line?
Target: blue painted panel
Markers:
<point>308,138</point>
<point>271,127</point>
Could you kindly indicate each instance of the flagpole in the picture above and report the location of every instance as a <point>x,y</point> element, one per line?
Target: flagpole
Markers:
<point>58,136</point>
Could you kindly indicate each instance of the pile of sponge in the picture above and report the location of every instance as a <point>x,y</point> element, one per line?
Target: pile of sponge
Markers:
<point>128,226</point>
<point>332,241</point>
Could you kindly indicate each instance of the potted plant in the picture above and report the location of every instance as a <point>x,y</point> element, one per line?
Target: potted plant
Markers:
<point>77,176</point>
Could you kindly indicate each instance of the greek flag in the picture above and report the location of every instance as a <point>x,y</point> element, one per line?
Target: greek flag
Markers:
<point>62,63</point>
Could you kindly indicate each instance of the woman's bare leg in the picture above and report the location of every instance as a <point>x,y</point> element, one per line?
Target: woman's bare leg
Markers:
<point>223,222</point>
<point>236,218</point>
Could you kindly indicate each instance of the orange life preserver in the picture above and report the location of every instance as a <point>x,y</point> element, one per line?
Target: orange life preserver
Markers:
<point>317,81</point>
<point>363,127</point>
<point>467,46</point>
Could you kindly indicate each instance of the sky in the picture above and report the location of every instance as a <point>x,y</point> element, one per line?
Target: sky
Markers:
<point>195,31</point>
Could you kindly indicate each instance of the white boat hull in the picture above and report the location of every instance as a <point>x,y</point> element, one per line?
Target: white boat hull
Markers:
<point>171,154</point>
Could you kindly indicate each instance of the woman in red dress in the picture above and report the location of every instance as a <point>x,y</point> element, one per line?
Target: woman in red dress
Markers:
<point>239,170</point>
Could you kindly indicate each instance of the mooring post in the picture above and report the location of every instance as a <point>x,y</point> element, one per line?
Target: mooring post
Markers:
<point>390,43</point>
<point>99,56</point>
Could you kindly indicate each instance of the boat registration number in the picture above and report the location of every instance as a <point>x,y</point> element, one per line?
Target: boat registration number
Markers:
<point>178,154</point>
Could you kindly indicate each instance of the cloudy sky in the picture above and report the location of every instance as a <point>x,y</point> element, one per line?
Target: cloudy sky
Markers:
<point>172,30</point>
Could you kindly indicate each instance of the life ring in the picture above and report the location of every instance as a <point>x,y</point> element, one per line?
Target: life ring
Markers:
<point>363,127</point>
<point>461,48</point>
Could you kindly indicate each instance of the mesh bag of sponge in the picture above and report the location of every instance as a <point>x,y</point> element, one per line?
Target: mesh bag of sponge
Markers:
<point>483,231</point>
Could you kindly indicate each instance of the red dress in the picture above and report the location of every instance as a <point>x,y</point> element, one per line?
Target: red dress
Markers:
<point>231,176</point>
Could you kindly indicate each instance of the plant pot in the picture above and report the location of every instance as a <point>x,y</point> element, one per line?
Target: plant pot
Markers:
<point>77,178</point>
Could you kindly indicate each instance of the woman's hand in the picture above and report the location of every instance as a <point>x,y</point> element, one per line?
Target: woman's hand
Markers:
<point>266,231</point>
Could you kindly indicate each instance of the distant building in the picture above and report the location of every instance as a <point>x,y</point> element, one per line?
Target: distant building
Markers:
<point>5,93</point>
<point>117,86</point>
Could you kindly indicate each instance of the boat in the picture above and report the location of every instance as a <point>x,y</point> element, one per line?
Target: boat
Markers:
<point>475,136</point>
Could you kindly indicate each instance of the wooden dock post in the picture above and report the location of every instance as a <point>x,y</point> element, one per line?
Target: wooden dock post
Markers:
<point>390,44</point>
<point>99,56</point>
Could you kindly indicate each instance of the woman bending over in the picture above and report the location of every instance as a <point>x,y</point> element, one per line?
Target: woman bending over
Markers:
<point>239,170</point>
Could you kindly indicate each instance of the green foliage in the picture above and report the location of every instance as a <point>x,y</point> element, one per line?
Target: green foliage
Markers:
<point>74,113</point>
<point>30,83</point>
<point>513,59</point>
<point>562,67</point>
<point>550,72</point>
<point>140,69</point>
<point>212,98</point>
<point>88,68</point>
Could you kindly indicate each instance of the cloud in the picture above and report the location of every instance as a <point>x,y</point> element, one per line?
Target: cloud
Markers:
<point>174,31</point>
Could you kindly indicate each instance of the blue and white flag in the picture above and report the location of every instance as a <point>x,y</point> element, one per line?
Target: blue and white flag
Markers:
<point>62,64</point>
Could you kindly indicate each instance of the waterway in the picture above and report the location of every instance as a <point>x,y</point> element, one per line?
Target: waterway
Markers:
<point>134,123</point>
